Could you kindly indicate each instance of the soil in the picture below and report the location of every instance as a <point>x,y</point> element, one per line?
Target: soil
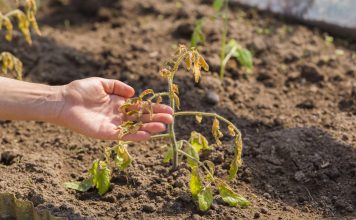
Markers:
<point>296,112</point>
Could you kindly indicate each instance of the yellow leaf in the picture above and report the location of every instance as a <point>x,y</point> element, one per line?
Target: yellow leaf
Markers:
<point>231,130</point>
<point>175,88</point>
<point>188,61</point>
<point>217,134</point>
<point>196,72</point>
<point>165,73</point>
<point>159,100</point>
<point>195,183</point>
<point>9,28</point>
<point>146,92</point>
<point>203,63</point>
<point>199,118</point>
<point>176,100</point>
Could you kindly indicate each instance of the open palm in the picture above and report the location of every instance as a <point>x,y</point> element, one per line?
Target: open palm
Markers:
<point>91,108</point>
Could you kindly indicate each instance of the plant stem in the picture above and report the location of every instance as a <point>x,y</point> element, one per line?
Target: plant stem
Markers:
<point>223,39</point>
<point>160,136</point>
<point>194,113</point>
<point>158,94</point>
<point>171,126</point>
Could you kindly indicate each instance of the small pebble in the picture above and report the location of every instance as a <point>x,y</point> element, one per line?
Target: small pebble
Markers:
<point>257,215</point>
<point>148,208</point>
<point>212,97</point>
<point>264,210</point>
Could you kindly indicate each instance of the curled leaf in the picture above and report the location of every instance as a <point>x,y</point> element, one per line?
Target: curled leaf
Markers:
<point>100,176</point>
<point>128,127</point>
<point>205,199</point>
<point>188,61</point>
<point>203,63</point>
<point>199,118</point>
<point>196,72</point>
<point>9,28</point>
<point>198,142</point>
<point>217,134</point>
<point>195,183</point>
<point>230,197</point>
<point>165,73</point>
<point>146,92</point>
<point>122,158</point>
<point>231,130</point>
<point>236,162</point>
<point>176,100</point>
<point>210,176</point>
<point>10,63</point>
<point>174,88</point>
<point>159,100</point>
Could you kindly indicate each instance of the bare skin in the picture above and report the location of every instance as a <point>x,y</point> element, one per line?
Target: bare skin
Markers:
<point>88,106</point>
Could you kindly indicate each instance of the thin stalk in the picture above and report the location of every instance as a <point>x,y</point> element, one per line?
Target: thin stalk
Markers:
<point>200,163</point>
<point>223,38</point>
<point>171,126</point>
<point>160,136</point>
<point>194,113</point>
<point>158,94</point>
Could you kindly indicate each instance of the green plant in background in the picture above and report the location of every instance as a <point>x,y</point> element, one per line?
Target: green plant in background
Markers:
<point>202,176</point>
<point>227,50</point>
<point>25,20</point>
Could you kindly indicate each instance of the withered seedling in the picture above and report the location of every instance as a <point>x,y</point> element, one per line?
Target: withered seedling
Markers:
<point>25,20</point>
<point>202,178</point>
<point>228,50</point>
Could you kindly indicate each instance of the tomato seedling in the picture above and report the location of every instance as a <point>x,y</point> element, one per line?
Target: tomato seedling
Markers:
<point>202,178</point>
<point>25,20</point>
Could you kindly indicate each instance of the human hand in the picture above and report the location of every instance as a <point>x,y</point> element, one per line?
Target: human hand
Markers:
<point>91,105</point>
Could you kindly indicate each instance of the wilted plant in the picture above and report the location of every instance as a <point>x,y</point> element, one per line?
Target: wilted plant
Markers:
<point>227,50</point>
<point>202,178</point>
<point>25,20</point>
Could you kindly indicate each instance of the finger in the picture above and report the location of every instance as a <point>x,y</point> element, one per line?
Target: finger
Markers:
<point>156,108</point>
<point>153,127</point>
<point>116,87</point>
<point>159,117</point>
<point>138,136</point>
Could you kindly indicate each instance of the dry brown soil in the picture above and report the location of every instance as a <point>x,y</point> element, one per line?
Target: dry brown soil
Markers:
<point>297,113</point>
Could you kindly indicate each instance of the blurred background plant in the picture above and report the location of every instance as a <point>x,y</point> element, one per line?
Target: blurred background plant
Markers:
<point>229,48</point>
<point>23,13</point>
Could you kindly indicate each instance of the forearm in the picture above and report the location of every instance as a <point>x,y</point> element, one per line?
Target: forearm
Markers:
<point>21,100</point>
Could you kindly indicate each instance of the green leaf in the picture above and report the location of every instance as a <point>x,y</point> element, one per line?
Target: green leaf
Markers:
<point>92,172</point>
<point>244,56</point>
<point>192,162</point>
<point>168,156</point>
<point>195,183</point>
<point>218,4</point>
<point>122,158</point>
<point>198,35</point>
<point>205,199</point>
<point>83,186</point>
<point>199,142</point>
<point>232,198</point>
<point>102,178</point>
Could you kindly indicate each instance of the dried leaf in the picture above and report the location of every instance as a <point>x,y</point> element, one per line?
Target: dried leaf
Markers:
<point>217,134</point>
<point>199,118</point>
<point>236,162</point>
<point>175,88</point>
<point>9,28</point>
<point>122,158</point>
<point>211,167</point>
<point>203,63</point>
<point>165,73</point>
<point>231,130</point>
<point>176,100</point>
<point>188,61</point>
<point>159,100</point>
<point>196,72</point>
<point>146,92</point>
<point>128,127</point>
